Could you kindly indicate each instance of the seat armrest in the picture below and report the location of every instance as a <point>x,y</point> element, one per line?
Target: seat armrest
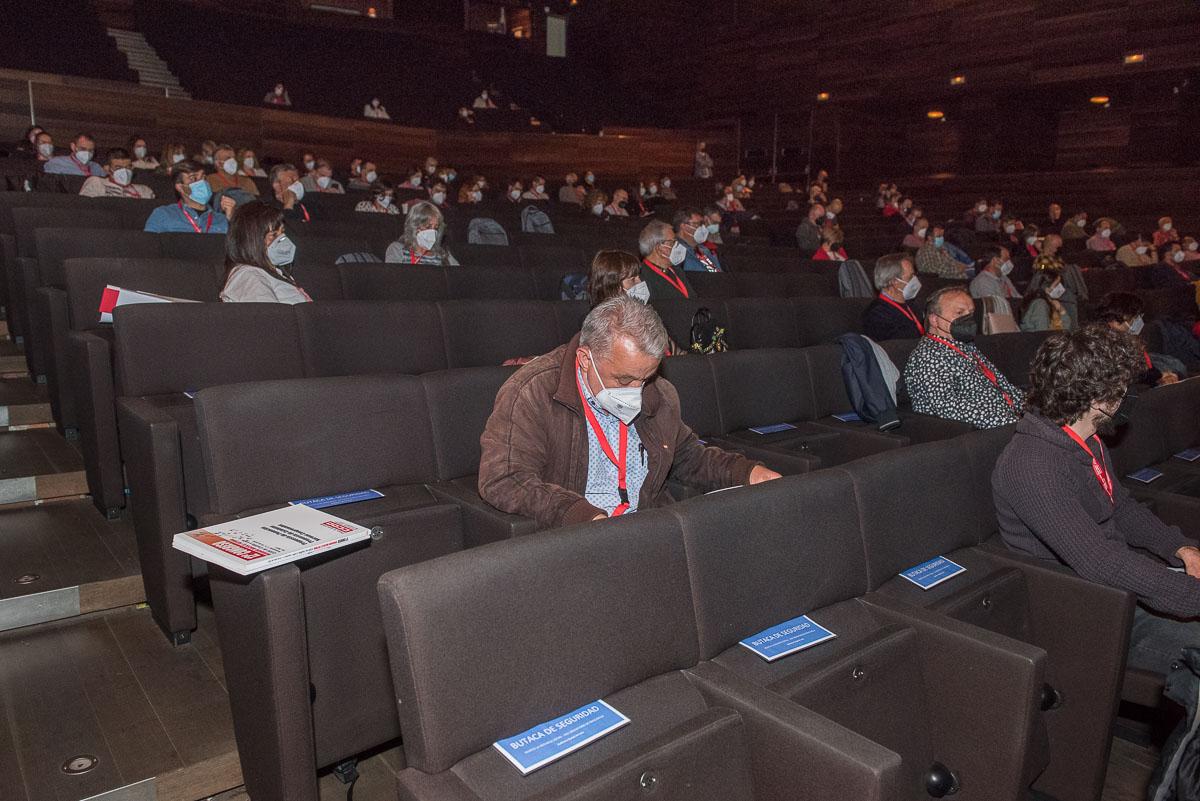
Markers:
<point>28,277</point>
<point>482,522</point>
<point>796,753</point>
<point>90,376</point>
<point>51,323</point>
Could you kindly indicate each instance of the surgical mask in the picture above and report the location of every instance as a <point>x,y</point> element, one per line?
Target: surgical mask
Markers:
<point>438,198</point>
<point>384,201</point>
<point>1008,229</point>
<point>1058,291</point>
<point>829,215</point>
<point>639,291</point>
<point>1006,268</point>
<point>515,194</point>
<point>678,253</point>
<point>308,165</point>
<point>248,163</point>
<point>701,234</point>
<point>981,208</point>
<point>1123,411</point>
<point>177,157</point>
<point>653,189</point>
<point>964,328</point>
<point>46,149</point>
<point>1136,325</point>
<point>431,168</point>
<point>938,241</point>
<point>208,158</point>
<point>598,209</point>
<point>1192,246</point>
<point>229,166</point>
<point>282,251</point>
<point>1167,226</point>
<point>323,181</point>
<point>541,188</point>
<point>427,239</point>
<point>1177,255</point>
<point>415,180</point>
<point>278,90</point>
<point>729,197</point>
<point>920,232</point>
<point>623,403</point>
<point>1106,232</point>
<point>911,288</point>
<point>200,192</point>
<point>713,228</point>
<point>666,183</point>
<point>591,179</point>
<point>140,152</point>
<point>123,176</point>
<point>83,156</point>
<point>371,176</point>
<point>1141,250</point>
<point>642,191</point>
<point>451,176</point>
<point>995,215</point>
<point>1031,240</point>
<point>477,195</point>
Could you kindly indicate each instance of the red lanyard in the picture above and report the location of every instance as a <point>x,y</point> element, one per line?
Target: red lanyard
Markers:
<point>1098,468</point>
<point>195,226</point>
<point>907,312</point>
<point>82,167</point>
<point>305,211</point>
<point>983,368</point>
<point>1184,274</point>
<point>125,190</point>
<point>412,255</point>
<point>705,260</point>
<point>672,279</point>
<point>1146,356</point>
<point>623,506</point>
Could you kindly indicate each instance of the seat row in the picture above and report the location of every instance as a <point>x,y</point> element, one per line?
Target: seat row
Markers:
<point>646,613</point>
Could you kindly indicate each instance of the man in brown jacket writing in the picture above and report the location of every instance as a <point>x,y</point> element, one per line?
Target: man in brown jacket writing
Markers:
<point>587,431</point>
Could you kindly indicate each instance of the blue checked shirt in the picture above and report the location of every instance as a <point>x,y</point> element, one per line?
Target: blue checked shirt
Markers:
<point>601,490</point>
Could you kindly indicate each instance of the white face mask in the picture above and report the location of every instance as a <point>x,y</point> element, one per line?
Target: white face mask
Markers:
<point>83,156</point>
<point>1136,326</point>
<point>640,291</point>
<point>981,208</point>
<point>701,234</point>
<point>371,176</point>
<point>515,194</point>
<point>541,188</point>
<point>282,251</point>
<point>1058,291</point>
<point>1141,250</point>
<point>323,181</point>
<point>384,201</point>
<point>623,403</point>
<point>177,157</point>
<point>729,197</point>
<point>477,195</point>
<point>591,179</point>
<point>713,228</point>
<point>1008,229</point>
<point>598,209</point>
<point>911,288</point>
<point>678,253</point>
<point>297,189</point>
<point>653,189</point>
<point>309,165</point>
<point>1192,246</point>
<point>438,198</point>
<point>427,239</point>
<point>415,180</point>
<point>140,152</point>
<point>1178,255</point>
<point>1031,240</point>
<point>248,163</point>
<point>920,232</point>
<point>829,215</point>
<point>666,183</point>
<point>1006,268</point>
<point>1166,226</point>
<point>1105,232</point>
<point>229,166</point>
<point>46,149</point>
<point>122,176</point>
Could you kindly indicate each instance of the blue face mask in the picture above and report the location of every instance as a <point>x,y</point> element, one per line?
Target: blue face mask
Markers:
<point>938,241</point>
<point>200,192</point>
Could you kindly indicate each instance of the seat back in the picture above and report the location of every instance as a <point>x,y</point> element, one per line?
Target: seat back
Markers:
<point>264,443</point>
<point>460,402</point>
<point>696,383</point>
<point>762,387</point>
<point>56,245</point>
<point>27,219</point>
<point>761,323</point>
<point>355,337</point>
<point>86,279</point>
<point>492,283</point>
<point>209,249</point>
<point>480,332</point>
<point>822,320</point>
<point>1013,353</point>
<point>587,643</point>
<point>394,282</point>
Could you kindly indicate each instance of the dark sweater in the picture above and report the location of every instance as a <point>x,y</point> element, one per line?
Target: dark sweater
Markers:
<point>1050,506</point>
<point>661,288</point>
<point>882,321</point>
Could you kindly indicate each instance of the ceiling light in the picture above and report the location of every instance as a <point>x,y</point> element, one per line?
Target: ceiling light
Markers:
<point>822,97</point>
<point>1099,100</point>
<point>1134,58</point>
<point>935,114</point>
<point>958,80</point>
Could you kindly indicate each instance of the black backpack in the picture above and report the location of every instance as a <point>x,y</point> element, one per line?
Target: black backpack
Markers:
<point>707,336</point>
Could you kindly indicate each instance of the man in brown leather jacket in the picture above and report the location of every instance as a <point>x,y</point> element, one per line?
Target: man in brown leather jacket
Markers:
<point>587,431</point>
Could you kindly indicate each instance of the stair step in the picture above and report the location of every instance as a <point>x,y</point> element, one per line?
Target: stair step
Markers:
<point>23,404</point>
<point>38,465</point>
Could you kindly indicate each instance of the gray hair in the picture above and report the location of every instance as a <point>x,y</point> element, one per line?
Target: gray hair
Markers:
<point>654,234</point>
<point>420,214</point>
<point>934,303</point>
<point>624,316</point>
<point>888,268</point>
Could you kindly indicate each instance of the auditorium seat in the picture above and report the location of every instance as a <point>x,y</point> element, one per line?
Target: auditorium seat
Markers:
<point>394,282</point>
<point>481,332</point>
<point>357,337</point>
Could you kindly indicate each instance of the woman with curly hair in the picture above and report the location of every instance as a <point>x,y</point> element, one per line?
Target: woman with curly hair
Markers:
<point>1059,498</point>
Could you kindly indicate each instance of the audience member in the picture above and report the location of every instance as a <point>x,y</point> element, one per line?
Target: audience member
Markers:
<point>1101,240</point>
<point>667,193</point>
<point>713,217</point>
<point>44,147</point>
<point>989,221</point>
<point>207,155</point>
<point>662,254</point>
<point>808,233</point>
<point>1059,499</point>
<point>437,194</point>
<point>257,255</point>
<point>728,202</point>
<point>514,191</point>
<point>1054,221</point>
<point>1191,249</point>
<point>992,280</point>
<point>421,242</point>
<point>703,163</point>
<point>892,314</point>
<point>191,214</point>
<point>382,202</point>
<point>615,272</point>
<point>414,180</point>
<point>172,154</point>
<point>1122,312</point>
<point>431,167</point>
<point>835,208</point>
<point>569,192</point>
<point>693,233</point>
<point>78,162</point>
<point>1076,227</point>
<point>26,147</point>
<point>617,208</point>
<point>288,193</point>
<point>1048,304</point>
<point>595,203</point>
<point>1170,272</point>
<point>368,175</point>
<point>142,160</point>
<point>470,192</point>
<point>915,239</point>
<point>248,164</point>
<point>949,377</point>
<point>831,245</point>
<point>119,182</point>
<point>935,258</point>
<point>1135,252</point>
<point>589,179</point>
<point>278,97</point>
<point>308,161</point>
<point>589,403</point>
<point>321,180</point>
<point>483,101</point>
<point>1166,232</point>
<point>227,176</point>
<point>375,110</point>
<point>536,190</point>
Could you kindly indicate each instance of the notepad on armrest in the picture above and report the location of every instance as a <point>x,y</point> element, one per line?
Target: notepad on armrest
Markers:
<point>849,417</point>
<point>1146,475</point>
<point>773,429</point>
<point>266,540</point>
<point>1190,455</point>
<point>115,296</point>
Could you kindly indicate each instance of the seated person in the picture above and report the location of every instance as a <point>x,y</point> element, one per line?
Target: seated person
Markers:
<point>947,376</point>
<point>1048,304</point>
<point>78,161</point>
<point>728,202</point>
<point>470,192</point>
<point>119,182</point>
<point>1076,227</point>
<point>666,193</point>
<point>421,242</point>
<point>831,244</point>
<point>935,258</point>
<point>1166,232</point>
<point>1122,312</point>
<point>662,253</point>
<point>570,192</point>
<point>1171,272</point>
<point>618,207</point>
<point>437,194</point>
<point>595,202</point>
<point>892,314</point>
<point>613,273</point>
<point>382,202</point>
<point>413,181</point>
<point>375,110</point>
<point>515,190</point>
<point>835,208</point>
<point>227,175</point>
<point>536,190</point>
<point>1058,497</point>
<point>989,221</point>
<point>321,179</point>
<point>207,154</point>
<point>257,255</point>
<point>44,146</point>
<point>693,233</point>
<point>172,154</point>
<point>1191,249</point>
<point>1135,252</point>
<point>248,161</point>
<point>554,446</point>
<point>713,217</point>
<point>367,175</point>
<point>26,147</point>
<point>992,280</point>
<point>915,239</point>
<point>1054,220</point>
<point>808,232</point>
<point>142,160</point>
<point>1101,240</point>
<point>191,214</point>
<point>287,192</point>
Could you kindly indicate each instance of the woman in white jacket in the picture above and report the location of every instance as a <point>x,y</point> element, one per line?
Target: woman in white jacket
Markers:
<point>257,255</point>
